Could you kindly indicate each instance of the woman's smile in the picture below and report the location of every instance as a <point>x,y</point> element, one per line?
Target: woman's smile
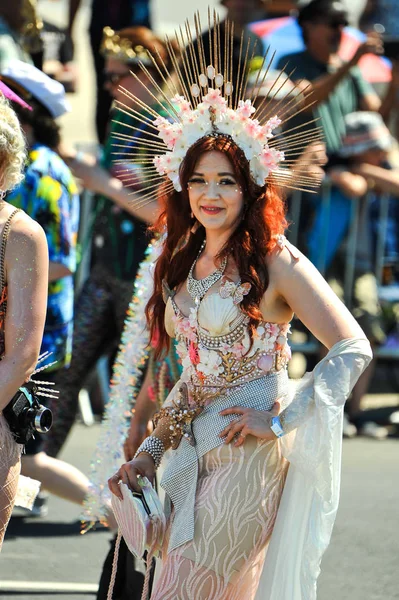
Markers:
<point>211,210</point>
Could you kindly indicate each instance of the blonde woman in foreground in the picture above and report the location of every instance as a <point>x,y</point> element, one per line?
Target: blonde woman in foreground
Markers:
<point>23,299</point>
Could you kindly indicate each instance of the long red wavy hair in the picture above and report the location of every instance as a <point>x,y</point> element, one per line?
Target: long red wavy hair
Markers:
<point>262,219</point>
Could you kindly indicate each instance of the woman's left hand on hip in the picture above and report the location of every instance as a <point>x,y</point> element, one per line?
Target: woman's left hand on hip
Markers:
<point>249,422</point>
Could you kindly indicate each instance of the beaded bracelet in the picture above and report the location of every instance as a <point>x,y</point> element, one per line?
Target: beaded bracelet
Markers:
<point>154,447</point>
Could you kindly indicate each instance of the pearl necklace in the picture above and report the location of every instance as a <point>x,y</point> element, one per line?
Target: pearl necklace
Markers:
<point>197,288</point>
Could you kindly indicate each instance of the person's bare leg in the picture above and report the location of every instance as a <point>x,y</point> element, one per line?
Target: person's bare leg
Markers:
<point>61,479</point>
<point>56,476</point>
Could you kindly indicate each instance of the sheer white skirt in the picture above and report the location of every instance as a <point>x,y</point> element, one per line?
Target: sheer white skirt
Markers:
<point>237,499</point>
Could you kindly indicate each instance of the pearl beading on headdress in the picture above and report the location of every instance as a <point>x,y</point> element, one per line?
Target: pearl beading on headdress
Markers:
<point>200,100</point>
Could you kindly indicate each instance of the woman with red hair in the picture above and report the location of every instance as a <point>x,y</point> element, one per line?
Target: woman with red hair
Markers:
<point>252,463</point>
<point>231,324</point>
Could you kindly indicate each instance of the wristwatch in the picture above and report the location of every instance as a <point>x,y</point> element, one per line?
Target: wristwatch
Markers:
<point>276,427</point>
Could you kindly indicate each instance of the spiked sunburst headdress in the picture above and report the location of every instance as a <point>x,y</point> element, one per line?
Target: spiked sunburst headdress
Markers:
<point>207,96</point>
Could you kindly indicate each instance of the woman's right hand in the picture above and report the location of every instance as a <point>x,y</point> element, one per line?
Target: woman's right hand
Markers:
<point>142,465</point>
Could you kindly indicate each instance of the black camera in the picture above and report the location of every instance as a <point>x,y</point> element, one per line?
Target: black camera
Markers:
<point>25,415</point>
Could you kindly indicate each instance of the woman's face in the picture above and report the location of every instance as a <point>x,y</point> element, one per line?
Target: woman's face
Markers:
<point>117,74</point>
<point>216,198</point>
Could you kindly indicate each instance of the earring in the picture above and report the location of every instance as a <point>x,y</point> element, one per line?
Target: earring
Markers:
<point>192,215</point>
<point>2,195</point>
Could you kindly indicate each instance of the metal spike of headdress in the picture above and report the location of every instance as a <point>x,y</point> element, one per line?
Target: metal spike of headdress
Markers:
<point>44,388</point>
<point>203,99</point>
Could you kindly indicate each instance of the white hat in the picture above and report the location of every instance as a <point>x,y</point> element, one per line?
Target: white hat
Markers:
<point>365,131</point>
<point>272,82</point>
<point>45,90</point>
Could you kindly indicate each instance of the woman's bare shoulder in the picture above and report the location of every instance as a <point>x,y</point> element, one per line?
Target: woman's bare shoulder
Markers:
<point>26,239</point>
<point>284,259</point>
<point>24,228</point>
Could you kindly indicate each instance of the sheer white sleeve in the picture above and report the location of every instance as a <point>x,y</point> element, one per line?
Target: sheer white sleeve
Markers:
<point>310,499</point>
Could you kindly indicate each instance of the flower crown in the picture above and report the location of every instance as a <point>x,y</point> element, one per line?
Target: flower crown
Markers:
<point>201,101</point>
<point>214,117</point>
<point>122,49</point>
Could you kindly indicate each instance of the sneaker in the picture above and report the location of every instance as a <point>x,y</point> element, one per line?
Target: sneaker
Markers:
<point>349,429</point>
<point>373,430</point>
<point>39,508</point>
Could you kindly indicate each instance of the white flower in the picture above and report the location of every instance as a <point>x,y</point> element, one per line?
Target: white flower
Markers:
<point>259,172</point>
<point>269,343</point>
<point>181,349</point>
<point>210,362</point>
<point>196,123</point>
<point>186,363</point>
<point>192,319</point>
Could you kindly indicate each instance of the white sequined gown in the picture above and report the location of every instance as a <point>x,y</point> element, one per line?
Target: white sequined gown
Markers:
<point>224,498</point>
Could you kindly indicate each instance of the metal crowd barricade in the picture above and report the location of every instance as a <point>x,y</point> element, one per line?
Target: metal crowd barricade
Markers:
<point>296,207</point>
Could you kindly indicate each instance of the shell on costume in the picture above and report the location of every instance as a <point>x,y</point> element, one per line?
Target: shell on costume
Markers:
<point>216,314</point>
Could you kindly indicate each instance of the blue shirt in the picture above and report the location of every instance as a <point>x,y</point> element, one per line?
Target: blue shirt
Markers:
<point>48,194</point>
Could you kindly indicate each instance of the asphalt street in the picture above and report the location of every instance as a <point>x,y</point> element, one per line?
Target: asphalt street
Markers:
<point>360,564</point>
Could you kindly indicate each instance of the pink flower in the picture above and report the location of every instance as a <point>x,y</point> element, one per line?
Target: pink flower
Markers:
<point>273,123</point>
<point>285,328</point>
<point>161,123</point>
<point>224,348</point>
<point>286,352</point>
<point>273,329</point>
<point>171,134</point>
<point>182,103</point>
<point>186,330</point>
<point>159,164</point>
<point>232,115</point>
<point>252,128</point>
<point>280,155</point>
<point>214,98</point>
<point>238,350</point>
<point>190,118</point>
<point>245,108</point>
<point>270,158</point>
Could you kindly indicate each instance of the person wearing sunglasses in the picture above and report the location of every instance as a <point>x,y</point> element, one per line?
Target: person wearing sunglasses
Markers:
<point>335,88</point>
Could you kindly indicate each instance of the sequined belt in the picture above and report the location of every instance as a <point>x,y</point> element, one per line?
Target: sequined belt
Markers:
<point>180,476</point>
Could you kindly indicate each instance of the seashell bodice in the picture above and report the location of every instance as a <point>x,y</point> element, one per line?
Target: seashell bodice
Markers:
<point>214,345</point>
<point>219,317</point>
